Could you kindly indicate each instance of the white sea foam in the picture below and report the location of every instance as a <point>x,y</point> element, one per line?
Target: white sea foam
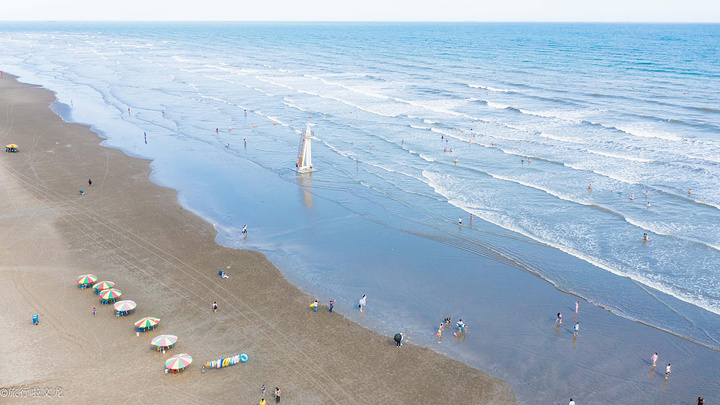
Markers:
<point>620,156</point>
<point>477,86</point>
<point>501,220</point>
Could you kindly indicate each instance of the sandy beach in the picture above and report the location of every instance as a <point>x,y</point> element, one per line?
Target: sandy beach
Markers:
<point>133,232</point>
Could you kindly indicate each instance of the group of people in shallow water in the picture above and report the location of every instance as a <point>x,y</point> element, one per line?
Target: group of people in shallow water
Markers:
<point>459,334</point>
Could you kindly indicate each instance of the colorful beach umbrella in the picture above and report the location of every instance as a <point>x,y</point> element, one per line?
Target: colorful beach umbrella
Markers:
<point>86,279</point>
<point>103,285</point>
<point>147,322</point>
<point>110,294</point>
<point>11,146</point>
<point>178,361</point>
<point>164,340</point>
<point>125,305</point>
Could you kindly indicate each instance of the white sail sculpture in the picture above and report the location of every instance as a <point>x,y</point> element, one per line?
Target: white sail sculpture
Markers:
<point>304,161</point>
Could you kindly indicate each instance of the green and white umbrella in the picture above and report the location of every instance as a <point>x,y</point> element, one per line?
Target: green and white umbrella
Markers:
<point>125,305</point>
<point>178,361</point>
<point>164,340</point>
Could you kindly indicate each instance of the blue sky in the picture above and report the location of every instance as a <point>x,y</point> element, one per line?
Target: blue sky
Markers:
<point>366,10</point>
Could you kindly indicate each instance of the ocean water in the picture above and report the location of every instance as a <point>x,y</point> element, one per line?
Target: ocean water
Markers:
<point>416,126</point>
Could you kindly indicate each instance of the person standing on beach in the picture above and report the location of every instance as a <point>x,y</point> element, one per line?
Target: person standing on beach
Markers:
<point>571,402</point>
<point>440,332</point>
<point>576,330</point>
<point>332,305</point>
<point>361,303</point>
<point>262,390</point>
<point>314,306</point>
<point>654,358</point>
<point>262,402</point>
<point>559,319</point>
<point>277,395</point>
<point>667,371</point>
<point>94,311</point>
<point>577,306</point>
<point>90,182</point>
<point>215,306</point>
<point>398,339</point>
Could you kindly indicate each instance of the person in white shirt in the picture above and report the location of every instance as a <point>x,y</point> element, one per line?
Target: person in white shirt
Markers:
<point>571,402</point>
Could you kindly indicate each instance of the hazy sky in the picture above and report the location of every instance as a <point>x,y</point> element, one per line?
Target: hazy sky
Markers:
<point>365,10</point>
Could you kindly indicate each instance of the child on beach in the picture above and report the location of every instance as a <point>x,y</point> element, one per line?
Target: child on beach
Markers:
<point>654,358</point>
<point>314,306</point>
<point>262,390</point>
<point>94,311</point>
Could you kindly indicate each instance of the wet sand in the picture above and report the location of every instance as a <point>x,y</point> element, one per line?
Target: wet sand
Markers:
<point>133,232</point>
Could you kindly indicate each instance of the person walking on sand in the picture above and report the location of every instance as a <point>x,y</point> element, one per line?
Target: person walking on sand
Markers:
<point>667,371</point>
<point>94,311</point>
<point>577,306</point>
<point>559,319</point>
<point>262,390</point>
<point>362,302</point>
<point>215,306</point>
<point>654,359</point>
<point>262,402</point>
<point>576,330</point>
<point>90,182</point>
<point>398,339</point>
<point>314,306</point>
<point>277,395</point>
<point>332,305</point>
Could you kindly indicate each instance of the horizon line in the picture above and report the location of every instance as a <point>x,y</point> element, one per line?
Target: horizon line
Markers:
<point>375,21</point>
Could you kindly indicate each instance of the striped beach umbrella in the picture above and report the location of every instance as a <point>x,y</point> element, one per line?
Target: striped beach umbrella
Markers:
<point>147,322</point>
<point>164,340</point>
<point>110,294</point>
<point>178,361</point>
<point>86,279</point>
<point>125,305</point>
<point>103,285</point>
